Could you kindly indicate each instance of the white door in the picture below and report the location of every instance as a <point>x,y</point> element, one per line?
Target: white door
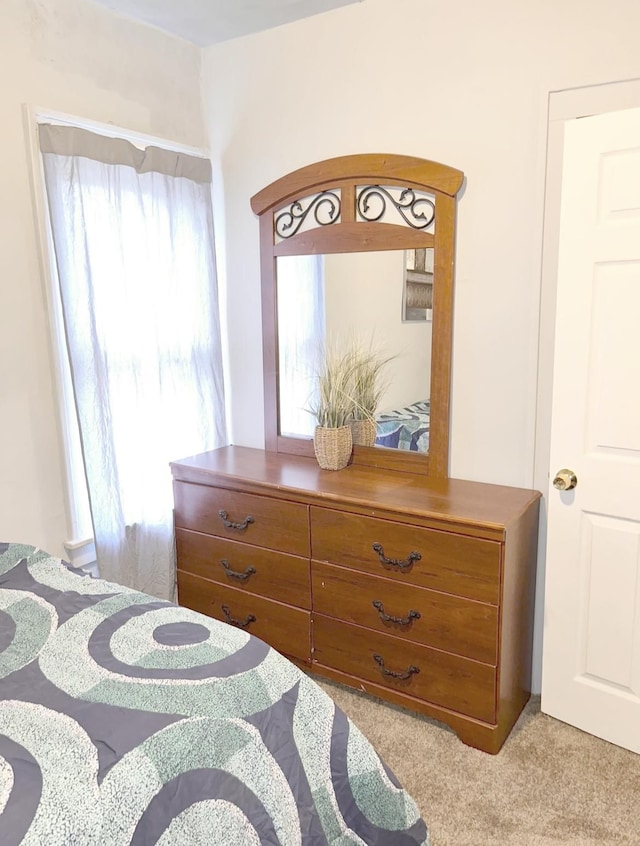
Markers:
<point>591,640</point>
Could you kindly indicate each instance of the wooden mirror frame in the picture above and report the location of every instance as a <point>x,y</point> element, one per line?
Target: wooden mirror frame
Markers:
<point>347,174</point>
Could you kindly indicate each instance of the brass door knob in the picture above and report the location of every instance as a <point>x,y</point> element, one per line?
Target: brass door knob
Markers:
<point>565,480</point>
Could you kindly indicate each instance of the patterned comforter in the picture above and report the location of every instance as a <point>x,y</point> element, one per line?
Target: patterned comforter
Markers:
<point>405,428</point>
<point>127,720</point>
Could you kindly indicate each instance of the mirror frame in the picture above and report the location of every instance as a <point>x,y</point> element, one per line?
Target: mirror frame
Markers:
<point>348,175</point>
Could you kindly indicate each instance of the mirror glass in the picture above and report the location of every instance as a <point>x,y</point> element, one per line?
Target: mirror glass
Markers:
<point>381,299</point>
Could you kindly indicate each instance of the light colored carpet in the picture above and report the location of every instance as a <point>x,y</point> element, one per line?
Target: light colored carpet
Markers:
<point>550,784</point>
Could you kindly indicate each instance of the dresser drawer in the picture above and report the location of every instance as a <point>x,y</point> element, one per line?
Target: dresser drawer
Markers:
<point>446,622</point>
<point>457,564</point>
<point>276,575</point>
<point>259,520</point>
<point>459,684</point>
<point>285,628</point>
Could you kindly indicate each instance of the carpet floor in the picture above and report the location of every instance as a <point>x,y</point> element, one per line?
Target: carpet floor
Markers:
<point>550,784</point>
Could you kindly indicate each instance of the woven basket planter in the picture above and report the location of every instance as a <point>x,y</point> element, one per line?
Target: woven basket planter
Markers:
<point>332,447</point>
<point>363,432</point>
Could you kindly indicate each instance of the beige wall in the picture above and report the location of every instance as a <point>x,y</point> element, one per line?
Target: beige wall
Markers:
<point>457,81</point>
<point>69,56</point>
<point>373,316</point>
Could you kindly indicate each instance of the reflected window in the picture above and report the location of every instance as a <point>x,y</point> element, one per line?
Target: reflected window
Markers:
<point>301,333</point>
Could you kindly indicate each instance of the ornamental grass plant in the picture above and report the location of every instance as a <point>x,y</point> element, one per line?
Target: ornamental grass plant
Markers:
<point>333,404</point>
<point>367,385</point>
<point>349,385</point>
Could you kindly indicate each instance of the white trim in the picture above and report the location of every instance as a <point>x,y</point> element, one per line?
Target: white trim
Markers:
<point>562,105</point>
<point>594,99</point>
<point>48,275</point>
<point>81,554</point>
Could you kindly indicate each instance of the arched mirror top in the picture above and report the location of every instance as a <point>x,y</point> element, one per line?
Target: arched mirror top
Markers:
<point>389,204</point>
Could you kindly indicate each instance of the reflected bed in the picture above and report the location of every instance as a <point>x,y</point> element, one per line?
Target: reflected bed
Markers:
<point>129,720</point>
<point>405,428</point>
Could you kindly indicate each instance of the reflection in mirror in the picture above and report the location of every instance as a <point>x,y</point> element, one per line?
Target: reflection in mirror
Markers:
<point>417,301</point>
<point>323,302</point>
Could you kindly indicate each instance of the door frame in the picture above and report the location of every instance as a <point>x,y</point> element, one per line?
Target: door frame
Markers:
<point>562,106</point>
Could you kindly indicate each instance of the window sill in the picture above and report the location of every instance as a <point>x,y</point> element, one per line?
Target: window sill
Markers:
<point>82,555</point>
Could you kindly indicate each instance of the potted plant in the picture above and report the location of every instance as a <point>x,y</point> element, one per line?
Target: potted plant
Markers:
<point>333,409</point>
<point>366,390</point>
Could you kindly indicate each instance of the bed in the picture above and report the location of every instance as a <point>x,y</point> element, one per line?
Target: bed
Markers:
<point>129,720</point>
<point>405,428</point>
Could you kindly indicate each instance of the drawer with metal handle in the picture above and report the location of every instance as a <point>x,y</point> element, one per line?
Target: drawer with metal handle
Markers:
<point>258,520</point>
<point>459,684</point>
<point>452,623</point>
<point>282,626</point>
<point>275,575</point>
<point>443,561</point>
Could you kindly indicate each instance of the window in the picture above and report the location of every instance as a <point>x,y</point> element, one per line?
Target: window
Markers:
<point>132,235</point>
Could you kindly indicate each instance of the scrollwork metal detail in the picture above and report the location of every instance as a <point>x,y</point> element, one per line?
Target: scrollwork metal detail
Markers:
<point>418,212</point>
<point>325,207</point>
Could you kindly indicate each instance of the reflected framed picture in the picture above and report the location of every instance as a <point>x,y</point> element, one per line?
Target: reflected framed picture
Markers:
<point>417,288</point>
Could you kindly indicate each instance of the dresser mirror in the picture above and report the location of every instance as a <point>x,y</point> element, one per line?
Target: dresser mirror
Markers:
<point>361,247</point>
<point>314,315</point>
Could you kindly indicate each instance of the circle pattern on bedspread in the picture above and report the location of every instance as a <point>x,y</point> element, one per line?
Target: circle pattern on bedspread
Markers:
<point>349,782</point>
<point>119,661</point>
<point>54,769</point>
<point>254,749</point>
<point>26,621</point>
<point>180,634</point>
<point>156,788</point>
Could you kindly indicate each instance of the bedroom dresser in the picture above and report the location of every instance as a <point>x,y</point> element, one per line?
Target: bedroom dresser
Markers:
<point>416,589</point>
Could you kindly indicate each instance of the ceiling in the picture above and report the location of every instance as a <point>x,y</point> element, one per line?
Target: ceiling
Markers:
<point>206,22</point>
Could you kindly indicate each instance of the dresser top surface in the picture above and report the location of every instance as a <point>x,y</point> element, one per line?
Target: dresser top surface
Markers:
<point>288,476</point>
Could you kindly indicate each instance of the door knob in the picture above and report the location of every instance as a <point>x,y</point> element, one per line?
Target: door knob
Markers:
<point>565,480</point>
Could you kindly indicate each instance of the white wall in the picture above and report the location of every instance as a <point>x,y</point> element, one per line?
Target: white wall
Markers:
<point>73,57</point>
<point>457,81</point>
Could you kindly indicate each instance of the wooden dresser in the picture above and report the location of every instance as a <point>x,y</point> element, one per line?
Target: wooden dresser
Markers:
<point>414,589</point>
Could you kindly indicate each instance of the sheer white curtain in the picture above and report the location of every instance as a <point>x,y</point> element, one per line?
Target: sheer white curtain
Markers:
<point>301,337</point>
<point>133,239</point>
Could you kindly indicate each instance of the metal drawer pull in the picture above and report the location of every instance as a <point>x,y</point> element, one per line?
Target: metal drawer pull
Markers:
<point>403,676</point>
<point>401,621</point>
<point>228,524</point>
<point>233,574</point>
<point>394,562</point>
<point>241,624</point>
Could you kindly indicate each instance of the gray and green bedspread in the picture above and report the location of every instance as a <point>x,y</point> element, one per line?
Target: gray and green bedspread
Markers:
<point>127,720</point>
